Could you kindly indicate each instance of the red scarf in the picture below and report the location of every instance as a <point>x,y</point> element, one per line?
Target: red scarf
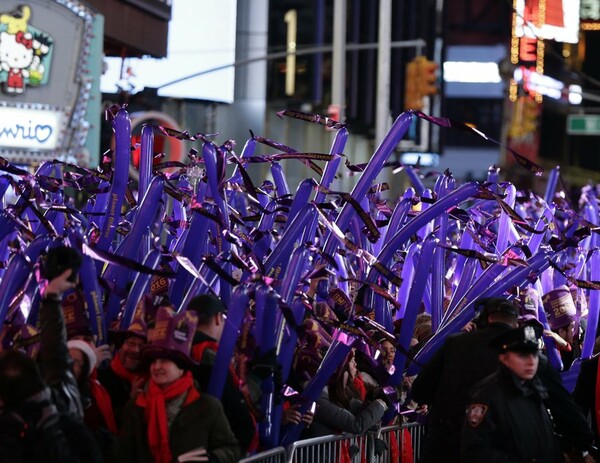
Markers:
<point>359,385</point>
<point>102,399</point>
<point>153,400</point>
<point>122,372</point>
<point>198,349</point>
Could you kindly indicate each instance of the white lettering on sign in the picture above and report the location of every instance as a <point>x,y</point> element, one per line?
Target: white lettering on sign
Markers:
<point>33,129</point>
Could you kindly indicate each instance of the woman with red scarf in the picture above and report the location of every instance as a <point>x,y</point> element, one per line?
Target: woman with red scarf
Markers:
<point>170,421</point>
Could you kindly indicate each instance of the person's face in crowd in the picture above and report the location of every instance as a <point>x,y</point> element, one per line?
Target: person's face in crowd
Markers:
<point>129,354</point>
<point>522,364</point>
<point>78,362</point>
<point>165,372</point>
<point>568,332</point>
<point>352,368</point>
<point>389,353</point>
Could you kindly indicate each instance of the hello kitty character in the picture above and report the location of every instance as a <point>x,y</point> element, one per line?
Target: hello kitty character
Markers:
<point>16,55</point>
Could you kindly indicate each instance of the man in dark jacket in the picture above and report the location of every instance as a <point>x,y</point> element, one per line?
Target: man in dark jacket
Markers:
<point>445,381</point>
<point>507,418</point>
<point>461,362</point>
<point>211,321</point>
<point>40,408</point>
<point>585,392</point>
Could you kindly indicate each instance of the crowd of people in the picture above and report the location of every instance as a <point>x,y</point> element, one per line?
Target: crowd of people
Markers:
<point>487,394</point>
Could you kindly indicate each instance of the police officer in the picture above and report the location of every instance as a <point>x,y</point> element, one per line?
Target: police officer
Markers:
<point>445,382</point>
<point>507,418</point>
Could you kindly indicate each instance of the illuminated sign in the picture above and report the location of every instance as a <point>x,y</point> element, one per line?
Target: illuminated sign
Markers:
<point>548,19</point>
<point>25,52</point>
<point>30,128</point>
<point>589,14</point>
<point>45,82</point>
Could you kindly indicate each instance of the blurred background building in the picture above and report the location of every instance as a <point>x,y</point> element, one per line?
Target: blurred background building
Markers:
<point>522,71</point>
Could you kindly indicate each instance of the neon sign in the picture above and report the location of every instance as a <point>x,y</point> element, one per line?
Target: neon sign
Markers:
<point>30,129</point>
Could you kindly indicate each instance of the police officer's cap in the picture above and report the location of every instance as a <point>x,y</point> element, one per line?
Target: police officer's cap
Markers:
<point>524,339</point>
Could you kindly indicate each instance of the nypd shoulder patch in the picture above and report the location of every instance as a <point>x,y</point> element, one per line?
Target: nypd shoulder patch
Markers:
<point>475,414</point>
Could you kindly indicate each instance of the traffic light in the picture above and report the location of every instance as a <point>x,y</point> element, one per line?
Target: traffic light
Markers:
<point>412,96</point>
<point>427,76</point>
<point>420,81</point>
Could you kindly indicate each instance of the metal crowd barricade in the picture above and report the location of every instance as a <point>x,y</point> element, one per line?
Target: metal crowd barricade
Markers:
<point>390,434</point>
<point>276,455</point>
<point>348,448</point>
<point>329,449</point>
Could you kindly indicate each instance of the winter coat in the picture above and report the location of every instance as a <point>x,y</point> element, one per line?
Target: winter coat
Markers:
<point>331,418</point>
<point>507,421</point>
<point>201,423</point>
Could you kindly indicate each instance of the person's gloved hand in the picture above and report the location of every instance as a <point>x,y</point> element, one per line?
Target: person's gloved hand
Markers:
<point>379,393</point>
<point>379,446</point>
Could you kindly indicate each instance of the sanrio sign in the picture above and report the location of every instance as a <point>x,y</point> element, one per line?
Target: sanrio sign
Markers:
<point>44,79</point>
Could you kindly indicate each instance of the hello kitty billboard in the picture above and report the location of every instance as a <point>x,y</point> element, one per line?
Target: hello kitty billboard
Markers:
<point>46,78</point>
<point>25,52</point>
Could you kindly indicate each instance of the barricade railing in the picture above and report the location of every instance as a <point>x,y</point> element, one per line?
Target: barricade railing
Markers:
<point>276,455</point>
<point>401,442</point>
<point>331,449</point>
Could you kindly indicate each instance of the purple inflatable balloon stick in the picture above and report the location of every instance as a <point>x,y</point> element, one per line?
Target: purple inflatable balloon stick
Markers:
<point>493,177</point>
<point>209,153</point>
<point>505,220</point>
<point>336,354</point>
<point>193,249</point>
<point>551,349</point>
<point>146,160</point>
<point>337,148</point>
<point>139,288</point>
<point>237,307</point>
<point>265,225</point>
<point>516,277</point>
<point>466,242</point>
<point>279,178</point>
<point>276,263</point>
<point>5,251</point>
<point>122,128</point>
<point>17,272</point>
<point>415,180</point>
<point>247,152</point>
<point>412,306</point>
<point>381,155</point>
<point>408,273</point>
<point>536,239</point>
<point>178,216</point>
<point>206,282</point>
<point>266,305</point>
<point>551,184</point>
<point>592,322</point>
<point>149,209</point>
<point>427,229</point>
<point>301,198</point>
<point>464,283</point>
<point>403,235</point>
<point>92,293</point>
<point>296,268</point>
<point>399,215</point>
<point>4,184</point>
<point>442,188</point>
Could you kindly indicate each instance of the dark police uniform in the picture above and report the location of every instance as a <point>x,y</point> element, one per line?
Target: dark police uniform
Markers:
<point>507,419</point>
